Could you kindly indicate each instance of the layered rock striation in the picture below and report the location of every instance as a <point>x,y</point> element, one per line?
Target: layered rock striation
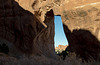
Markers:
<point>24,32</point>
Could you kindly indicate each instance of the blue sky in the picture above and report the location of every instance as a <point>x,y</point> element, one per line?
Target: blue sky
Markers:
<point>60,37</point>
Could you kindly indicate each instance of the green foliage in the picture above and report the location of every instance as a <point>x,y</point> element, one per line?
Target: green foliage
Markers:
<point>62,53</point>
<point>58,51</point>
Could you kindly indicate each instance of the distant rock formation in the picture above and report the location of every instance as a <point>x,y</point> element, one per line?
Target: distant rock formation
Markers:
<point>61,47</point>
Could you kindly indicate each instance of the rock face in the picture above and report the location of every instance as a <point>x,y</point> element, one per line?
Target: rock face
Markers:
<point>82,29</point>
<point>42,6</point>
<point>83,43</point>
<point>22,29</point>
<point>29,25</point>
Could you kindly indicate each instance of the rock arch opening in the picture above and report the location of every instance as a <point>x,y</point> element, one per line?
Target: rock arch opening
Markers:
<point>60,39</point>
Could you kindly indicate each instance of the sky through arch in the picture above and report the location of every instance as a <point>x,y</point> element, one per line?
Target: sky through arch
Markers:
<point>60,38</point>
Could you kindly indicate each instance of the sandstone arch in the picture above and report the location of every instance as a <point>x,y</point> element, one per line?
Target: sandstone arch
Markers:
<point>31,30</point>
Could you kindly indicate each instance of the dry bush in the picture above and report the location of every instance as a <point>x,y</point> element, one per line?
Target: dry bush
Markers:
<point>71,59</point>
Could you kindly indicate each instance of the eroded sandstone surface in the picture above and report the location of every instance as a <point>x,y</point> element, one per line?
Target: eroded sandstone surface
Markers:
<point>82,29</point>
<point>28,25</point>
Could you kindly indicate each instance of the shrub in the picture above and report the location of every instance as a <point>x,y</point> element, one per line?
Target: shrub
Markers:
<point>4,48</point>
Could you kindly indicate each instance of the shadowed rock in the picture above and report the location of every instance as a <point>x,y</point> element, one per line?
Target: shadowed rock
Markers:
<point>24,31</point>
<point>83,43</point>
